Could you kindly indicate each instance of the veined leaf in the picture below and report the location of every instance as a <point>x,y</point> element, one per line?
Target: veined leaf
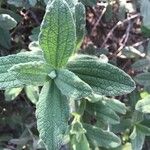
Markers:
<point>100,137</point>
<point>143,105</point>
<point>71,3</point>
<point>113,104</point>
<point>80,23</point>
<point>7,79</point>
<point>58,34</point>
<point>145,130</point>
<point>80,145</point>
<point>32,73</point>
<point>143,79</point>
<point>137,139</point>
<point>102,112</point>
<point>52,116</point>
<point>71,85</point>
<point>104,78</point>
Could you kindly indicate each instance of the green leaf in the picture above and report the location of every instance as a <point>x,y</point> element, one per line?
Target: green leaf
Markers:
<point>143,105</point>
<point>143,79</point>
<point>5,38</point>
<point>32,73</point>
<point>80,145</point>
<point>17,3</point>
<point>145,31</point>
<point>122,126</point>
<point>80,23</point>
<point>89,2</point>
<point>7,22</point>
<point>11,94</point>
<point>145,6</point>
<point>145,130</point>
<point>137,117</point>
<point>52,116</point>
<point>137,139</point>
<point>7,79</point>
<point>58,35</point>
<point>32,93</point>
<point>100,137</point>
<point>72,3</point>
<point>104,78</point>
<point>141,64</point>
<point>113,104</point>
<point>102,112</point>
<point>71,85</point>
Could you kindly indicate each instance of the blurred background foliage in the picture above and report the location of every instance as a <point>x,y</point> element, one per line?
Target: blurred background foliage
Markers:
<point>118,29</point>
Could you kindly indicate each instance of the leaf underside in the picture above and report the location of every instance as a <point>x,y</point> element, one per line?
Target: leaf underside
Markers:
<point>71,85</point>
<point>52,116</point>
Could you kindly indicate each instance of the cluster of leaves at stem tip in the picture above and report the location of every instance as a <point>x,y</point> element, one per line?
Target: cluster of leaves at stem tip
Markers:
<point>73,85</point>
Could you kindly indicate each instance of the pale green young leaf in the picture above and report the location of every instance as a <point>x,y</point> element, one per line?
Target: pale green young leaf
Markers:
<point>143,105</point>
<point>102,112</point>
<point>104,78</point>
<point>52,116</point>
<point>137,139</point>
<point>80,145</point>
<point>11,94</point>
<point>58,34</point>
<point>71,85</point>
<point>32,93</point>
<point>7,79</point>
<point>32,73</point>
<point>102,138</point>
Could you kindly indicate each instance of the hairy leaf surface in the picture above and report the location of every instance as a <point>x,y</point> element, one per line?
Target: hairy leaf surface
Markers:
<point>80,145</point>
<point>52,116</point>
<point>137,139</point>
<point>102,112</point>
<point>7,79</point>
<point>71,85</point>
<point>100,137</point>
<point>104,78</point>
<point>113,104</point>
<point>32,73</point>
<point>58,34</point>
<point>143,105</point>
